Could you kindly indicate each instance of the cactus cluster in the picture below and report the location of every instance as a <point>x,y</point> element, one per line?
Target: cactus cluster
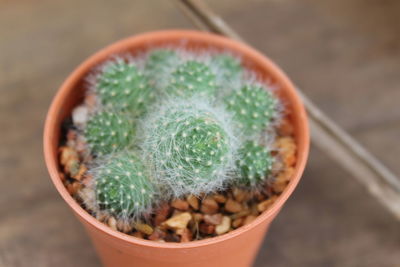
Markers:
<point>159,65</point>
<point>122,86</point>
<point>163,129</point>
<point>109,131</point>
<point>253,108</point>
<point>190,145</point>
<point>227,68</point>
<point>123,186</point>
<point>192,78</point>
<point>254,164</point>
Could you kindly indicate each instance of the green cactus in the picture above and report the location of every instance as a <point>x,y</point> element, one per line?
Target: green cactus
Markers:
<point>123,186</point>
<point>253,107</point>
<point>190,145</point>
<point>227,68</point>
<point>122,86</point>
<point>109,131</point>
<point>192,78</point>
<point>159,65</point>
<point>254,164</point>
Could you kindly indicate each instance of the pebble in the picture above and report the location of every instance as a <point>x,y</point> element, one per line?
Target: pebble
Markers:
<point>206,229</point>
<point>112,222</point>
<point>209,206</point>
<point>237,222</point>
<point>178,221</point>
<point>240,195</point>
<point>143,228</point>
<point>180,204</point>
<point>69,158</point>
<point>240,214</point>
<point>224,226</point>
<point>193,202</point>
<point>286,127</point>
<point>279,185</point>
<point>124,226</point>
<point>102,216</point>
<point>157,235</point>
<point>232,206</point>
<point>219,198</point>
<point>185,234</point>
<point>161,214</point>
<point>197,217</point>
<point>214,219</point>
<point>74,187</point>
<point>138,235</point>
<point>263,206</point>
<point>80,115</point>
<point>249,219</point>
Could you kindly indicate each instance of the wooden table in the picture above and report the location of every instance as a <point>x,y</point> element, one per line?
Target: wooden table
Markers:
<point>344,54</point>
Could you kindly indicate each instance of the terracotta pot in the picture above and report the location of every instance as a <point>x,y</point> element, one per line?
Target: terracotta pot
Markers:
<point>236,248</point>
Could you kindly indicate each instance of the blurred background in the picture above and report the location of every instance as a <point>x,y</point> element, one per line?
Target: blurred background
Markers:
<point>345,55</point>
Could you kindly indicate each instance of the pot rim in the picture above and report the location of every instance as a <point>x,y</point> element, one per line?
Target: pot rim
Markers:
<point>213,39</point>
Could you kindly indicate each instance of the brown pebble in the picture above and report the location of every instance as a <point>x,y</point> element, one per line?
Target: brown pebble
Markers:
<point>206,229</point>
<point>263,206</point>
<point>172,237</point>
<point>240,214</point>
<point>87,180</point>
<point>249,219</point>
<point>213,219</point>
<point>179,221</point>
<point>161,214</point>
<point>286,127</point>
<point>102,216</point>
<point>232,206</point>
<point>80,174</point>
<point>240,195</point>
<point>124,226</point>
<point>254,210</point>
<point>224,226</point>
<point>279,186</point>
<point>112,222</point>
<point>62,176</point>
<point>74,187</point>
<point>259,196</point>
<point>185,234</point>
<point>71,135</point>
<point>143,228</point>
<point>238,222</point>
<point>209,206</point>
<point>138,235</point>
<point>70,160</point>
<point>180,204</point>
<point>219,198</point>
<point>157,234</point>
<point>90,100</point>
<point>289,159</point>
<point>197,217</point>
<point>193,202</point>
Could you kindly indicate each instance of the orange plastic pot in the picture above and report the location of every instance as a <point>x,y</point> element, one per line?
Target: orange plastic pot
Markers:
<point>236,248</point>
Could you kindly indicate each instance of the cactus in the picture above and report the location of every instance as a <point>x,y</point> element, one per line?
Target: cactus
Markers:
<point>254,164</point>
<point>159,66</point>
<point>228,70</point>
<point>109,131</point>
<point>123,187</point>
<point>190,145</point>
<point>192,78</point>
<point>120,85</point>
<point>253,107</point>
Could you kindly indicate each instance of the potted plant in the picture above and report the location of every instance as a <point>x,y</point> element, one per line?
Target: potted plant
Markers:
<point>179,152</point>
